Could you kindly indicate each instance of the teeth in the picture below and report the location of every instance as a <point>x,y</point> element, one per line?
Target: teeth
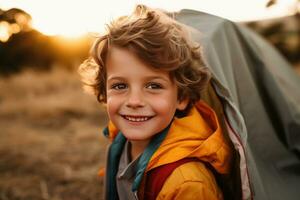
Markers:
<point>137,119</point>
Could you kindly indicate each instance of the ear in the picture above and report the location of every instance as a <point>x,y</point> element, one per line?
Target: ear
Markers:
<point>181,105</point>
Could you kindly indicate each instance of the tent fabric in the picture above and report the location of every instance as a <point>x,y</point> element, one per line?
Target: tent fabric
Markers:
<point>260,94</point>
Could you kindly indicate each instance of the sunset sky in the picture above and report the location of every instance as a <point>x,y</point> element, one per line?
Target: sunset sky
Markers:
<point>77,17</point>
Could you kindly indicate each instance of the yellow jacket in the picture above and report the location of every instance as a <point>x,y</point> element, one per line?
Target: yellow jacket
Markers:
<point>198,135</point>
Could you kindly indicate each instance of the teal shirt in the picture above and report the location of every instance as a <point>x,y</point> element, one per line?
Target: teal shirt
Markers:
<point>114,154</point>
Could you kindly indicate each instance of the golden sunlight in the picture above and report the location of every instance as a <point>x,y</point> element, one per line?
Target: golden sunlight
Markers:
<point>75,18</point>
<point>4,31</point>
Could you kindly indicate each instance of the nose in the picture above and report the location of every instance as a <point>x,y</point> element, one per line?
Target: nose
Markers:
<point>135,99</point>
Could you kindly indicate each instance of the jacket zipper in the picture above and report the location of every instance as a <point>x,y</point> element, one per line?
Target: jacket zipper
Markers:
<point>136,195</point>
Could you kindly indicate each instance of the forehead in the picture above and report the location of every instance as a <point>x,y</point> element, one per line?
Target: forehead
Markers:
<point>123,61</point>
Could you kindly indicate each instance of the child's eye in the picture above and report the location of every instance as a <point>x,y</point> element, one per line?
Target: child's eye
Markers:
<point>154,86</point>
<point>119,86</point>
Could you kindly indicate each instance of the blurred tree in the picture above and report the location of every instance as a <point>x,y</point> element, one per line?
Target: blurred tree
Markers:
<point>12,22</point>
<point>22,46</point>
<point>284,33</point>
<point>270,3</point>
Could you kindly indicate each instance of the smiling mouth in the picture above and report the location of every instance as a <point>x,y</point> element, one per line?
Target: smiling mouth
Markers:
<point>136,118</point>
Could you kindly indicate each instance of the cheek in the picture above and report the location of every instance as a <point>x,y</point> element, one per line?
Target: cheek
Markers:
<point>112,105</point>
<point>165,105</point>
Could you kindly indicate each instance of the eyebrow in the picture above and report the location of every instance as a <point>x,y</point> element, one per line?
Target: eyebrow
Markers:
<point>146,78</point>
<point>115,78</point>
<point>157,77</point>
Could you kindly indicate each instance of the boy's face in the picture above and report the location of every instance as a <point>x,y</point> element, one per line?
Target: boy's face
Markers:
<point>141,101</point>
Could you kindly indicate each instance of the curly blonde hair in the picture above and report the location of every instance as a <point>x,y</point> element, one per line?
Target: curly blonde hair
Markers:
<point>158,40</point>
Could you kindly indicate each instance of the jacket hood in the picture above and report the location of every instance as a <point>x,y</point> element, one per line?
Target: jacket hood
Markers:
<point>198,135</point>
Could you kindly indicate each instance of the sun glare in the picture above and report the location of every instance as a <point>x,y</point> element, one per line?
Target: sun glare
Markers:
<point>4,31</point>
<point>76,18</point>
<point>52,29</point>
<point>7,29</point>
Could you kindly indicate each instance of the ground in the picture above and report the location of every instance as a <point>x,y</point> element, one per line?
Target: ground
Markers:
<point>51,144</point>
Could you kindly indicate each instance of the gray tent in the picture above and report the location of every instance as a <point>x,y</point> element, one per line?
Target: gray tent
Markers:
<point>260,98</point>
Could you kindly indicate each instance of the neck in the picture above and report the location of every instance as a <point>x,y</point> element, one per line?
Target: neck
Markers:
<point>137,147</point>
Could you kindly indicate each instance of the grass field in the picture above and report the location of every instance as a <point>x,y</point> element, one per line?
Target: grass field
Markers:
<point>51,144</point>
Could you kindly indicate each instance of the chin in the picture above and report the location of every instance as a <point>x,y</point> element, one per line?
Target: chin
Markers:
<point>136,137</point>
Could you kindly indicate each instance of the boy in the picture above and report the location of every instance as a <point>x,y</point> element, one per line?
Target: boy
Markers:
<point>166,142</point>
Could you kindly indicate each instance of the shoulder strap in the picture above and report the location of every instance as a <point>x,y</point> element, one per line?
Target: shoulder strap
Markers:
<point>156,177</point>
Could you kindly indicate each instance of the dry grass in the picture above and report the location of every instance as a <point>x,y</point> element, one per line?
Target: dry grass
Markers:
<point>51,145</point>
<point>297,68</point>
